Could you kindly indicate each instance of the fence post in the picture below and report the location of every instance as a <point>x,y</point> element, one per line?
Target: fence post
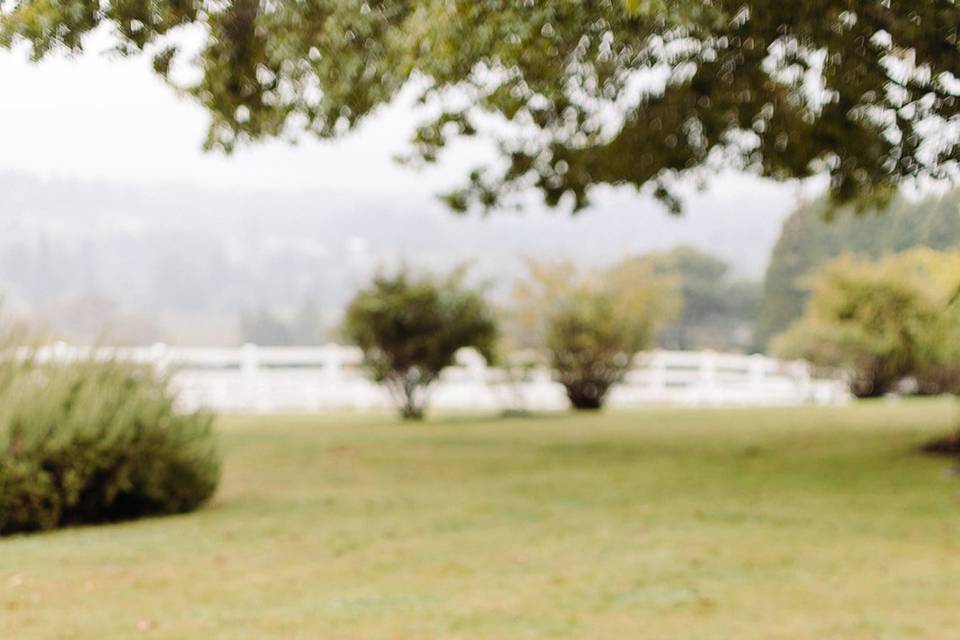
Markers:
<point>160,358</point>
<point>656,365</point>
<point>708,377</point>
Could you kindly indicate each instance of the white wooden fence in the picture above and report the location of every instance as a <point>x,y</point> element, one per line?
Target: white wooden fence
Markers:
<point>252,379</point>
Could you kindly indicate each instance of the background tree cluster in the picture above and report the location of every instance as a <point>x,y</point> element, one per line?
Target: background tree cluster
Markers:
<point>812,236</point>
<point>719,309</point>
<point>884,323</point>
<point>306,326</point>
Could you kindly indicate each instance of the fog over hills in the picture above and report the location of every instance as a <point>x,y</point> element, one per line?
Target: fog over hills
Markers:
<point>133,263</point>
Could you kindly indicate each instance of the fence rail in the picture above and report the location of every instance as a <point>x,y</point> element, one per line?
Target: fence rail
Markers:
<point>252,379</point>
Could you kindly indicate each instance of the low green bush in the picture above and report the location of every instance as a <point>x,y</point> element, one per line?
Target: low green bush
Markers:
<point>95,442</point>
<point>410,329</point>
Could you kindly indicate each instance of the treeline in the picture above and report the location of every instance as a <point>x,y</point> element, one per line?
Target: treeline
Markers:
<point>720,310</point>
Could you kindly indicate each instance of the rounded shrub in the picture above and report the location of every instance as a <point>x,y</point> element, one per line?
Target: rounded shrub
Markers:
<point>94,442</point>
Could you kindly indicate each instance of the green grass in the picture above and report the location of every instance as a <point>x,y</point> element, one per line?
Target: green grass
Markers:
<point>660,524</point>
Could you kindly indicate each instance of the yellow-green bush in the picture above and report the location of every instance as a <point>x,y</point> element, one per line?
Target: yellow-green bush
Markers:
<point>94,442</point>
<point>883,322</point>
<point>592,325</point>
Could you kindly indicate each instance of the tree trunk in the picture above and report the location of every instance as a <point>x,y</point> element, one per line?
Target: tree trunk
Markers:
<point>586,397</point>
<point>409,411</point>
<point>413,407</point>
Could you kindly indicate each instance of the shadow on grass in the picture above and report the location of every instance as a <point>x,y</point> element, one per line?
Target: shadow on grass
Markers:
<point>114,524</point>
<point>489,418</point>
<point>948,446</point>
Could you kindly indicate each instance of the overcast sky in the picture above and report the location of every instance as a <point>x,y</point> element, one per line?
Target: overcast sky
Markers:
<point>101,118</point>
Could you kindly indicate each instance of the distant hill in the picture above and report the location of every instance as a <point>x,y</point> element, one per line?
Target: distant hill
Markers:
<point>808,239</point>
<point>181,264</point>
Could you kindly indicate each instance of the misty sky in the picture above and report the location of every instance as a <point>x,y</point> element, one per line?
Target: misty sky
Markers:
<point>100,117</point>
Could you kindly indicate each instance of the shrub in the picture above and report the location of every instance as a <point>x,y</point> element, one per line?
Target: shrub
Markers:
<point>590,348</point>
<point>938,359</point>
<point>882,322</point>
<point>410,330</point>
<point>94,442</point>
<point>592,326</point>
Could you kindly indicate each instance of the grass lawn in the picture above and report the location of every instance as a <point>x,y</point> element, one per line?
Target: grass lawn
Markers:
<point>654,524</point>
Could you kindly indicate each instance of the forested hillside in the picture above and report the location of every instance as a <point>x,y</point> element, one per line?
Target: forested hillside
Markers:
<point>188,265</point>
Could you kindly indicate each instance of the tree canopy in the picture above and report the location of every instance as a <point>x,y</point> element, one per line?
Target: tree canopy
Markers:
<point>616,92</point>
